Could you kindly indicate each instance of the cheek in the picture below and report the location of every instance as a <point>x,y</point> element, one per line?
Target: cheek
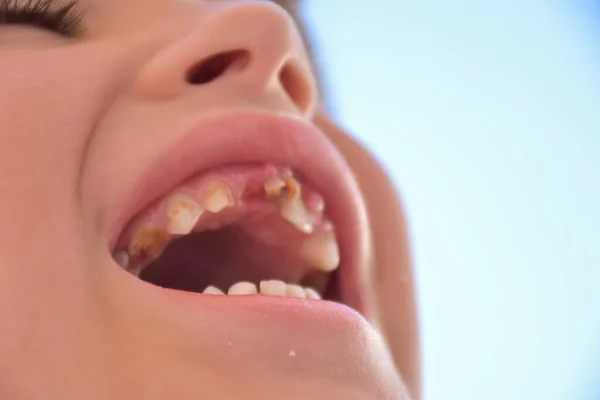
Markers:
<point>48,105</point>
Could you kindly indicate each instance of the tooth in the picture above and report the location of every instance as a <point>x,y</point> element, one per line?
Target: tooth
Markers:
<point>242,288</point>
<point>321,250</point>
<point>135,270</point>
<point>274,186</point>
<point>287,194</point>
<point>295,291</point>
<point>122,258</point>
<point>312,294</point>
<point>212,290</point>
<point>217,198</point>
<point>296,214</point>
<point>318,280</point>
<point>148,242</point>
<point>273,288</point>
<point>183,214</point>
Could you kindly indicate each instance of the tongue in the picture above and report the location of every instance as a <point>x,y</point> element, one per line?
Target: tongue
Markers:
<point>246,226</point>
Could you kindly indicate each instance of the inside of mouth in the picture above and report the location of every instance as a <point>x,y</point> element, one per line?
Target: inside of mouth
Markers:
<point>253,239</point>
<point>253,252</point>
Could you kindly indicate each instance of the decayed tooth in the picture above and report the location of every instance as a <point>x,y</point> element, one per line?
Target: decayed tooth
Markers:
<point>242,288</point>
<point>295,291</point>
<point>321,250</point>
<point>312,294</point>
<point>287,194</point>
<point>122,258</point>
<point>273,288</point>
<point>217,197</point>
<point>212,290</point>
<point>295,213</point>
<point>148,243</point>
<point>274,187</point>
<point>183,213</point>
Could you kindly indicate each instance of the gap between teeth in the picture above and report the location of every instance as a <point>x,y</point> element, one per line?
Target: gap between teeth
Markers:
<point>267,288</point>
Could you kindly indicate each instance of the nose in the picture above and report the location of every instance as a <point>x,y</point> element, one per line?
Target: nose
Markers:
<point>250,46</point>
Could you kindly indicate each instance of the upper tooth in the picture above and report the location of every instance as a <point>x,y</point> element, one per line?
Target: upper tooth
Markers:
<point>217,198</point>
<point>242,288</point>
<point>273,288</point>
<point>321,250</point>
<point>274,186</point>
<point>122,258</point>
<point>148,242</point>
<point>296,214</point>
<point>183,213</point>
<point>288,195</point>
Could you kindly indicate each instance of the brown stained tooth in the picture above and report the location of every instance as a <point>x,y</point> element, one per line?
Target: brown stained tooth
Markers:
<point>218,197</point>
<point>183,213</point>
<point>147,244</point>
<point>287,194</point>
<point>274,186</point>
<point>321,250</point>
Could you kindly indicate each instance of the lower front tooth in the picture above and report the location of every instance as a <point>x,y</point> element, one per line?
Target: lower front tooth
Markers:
<point>212,290</point>
<point>295,291</point>
<point>312,294</point>
<point>242,288</point>
<point>273,288</point>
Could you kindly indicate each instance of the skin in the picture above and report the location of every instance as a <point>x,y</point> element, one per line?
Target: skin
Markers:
<point>67,106</point>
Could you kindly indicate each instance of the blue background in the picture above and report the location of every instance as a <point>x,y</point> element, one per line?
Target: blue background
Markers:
<point>487,114</point>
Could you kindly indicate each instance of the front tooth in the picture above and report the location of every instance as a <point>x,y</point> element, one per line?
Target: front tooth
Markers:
<point>242,288</point>
<point>212,290</point>
<point>312,294</point>
<point>294,212</point>
<point>295,291</point>
<point>274,187</point>
<point>183,214</point>
<point>321,250</point>
<point>287,194</point>
<point>273,288</point>
<point>218,197</point>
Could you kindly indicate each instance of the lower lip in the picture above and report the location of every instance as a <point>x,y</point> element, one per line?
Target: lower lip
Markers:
<point>290,341</point>
<point>278,306</point>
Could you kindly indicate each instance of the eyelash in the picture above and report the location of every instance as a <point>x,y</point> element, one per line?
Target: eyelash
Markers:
<point>63,19</point>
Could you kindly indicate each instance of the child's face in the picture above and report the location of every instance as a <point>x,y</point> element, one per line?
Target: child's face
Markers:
<point>99,131</point>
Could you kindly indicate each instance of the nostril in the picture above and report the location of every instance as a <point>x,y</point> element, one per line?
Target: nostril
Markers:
<point>295,84</point>
<point>215,66</point>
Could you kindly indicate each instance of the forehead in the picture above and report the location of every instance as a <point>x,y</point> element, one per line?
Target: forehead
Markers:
<point>100,13</point>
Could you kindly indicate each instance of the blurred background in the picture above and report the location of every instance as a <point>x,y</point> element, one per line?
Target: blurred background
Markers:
<point>487,115</point>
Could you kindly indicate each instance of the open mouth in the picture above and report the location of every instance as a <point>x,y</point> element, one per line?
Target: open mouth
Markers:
<point>239,229</point>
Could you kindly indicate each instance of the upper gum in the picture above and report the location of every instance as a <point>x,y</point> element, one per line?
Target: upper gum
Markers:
<point>147,226</point>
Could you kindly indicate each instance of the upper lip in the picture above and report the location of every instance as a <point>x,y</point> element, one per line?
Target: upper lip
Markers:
<point>238,137</point>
